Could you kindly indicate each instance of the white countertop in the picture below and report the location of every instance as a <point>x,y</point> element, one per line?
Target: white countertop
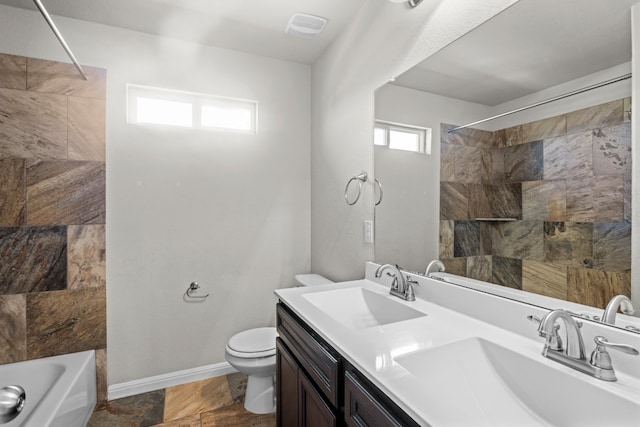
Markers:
<point>373,350</point>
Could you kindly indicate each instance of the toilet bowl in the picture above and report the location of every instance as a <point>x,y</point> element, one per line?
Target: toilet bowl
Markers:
<point>253,352</point>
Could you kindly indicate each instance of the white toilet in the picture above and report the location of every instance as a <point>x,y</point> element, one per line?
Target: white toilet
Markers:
<point>253,352</point>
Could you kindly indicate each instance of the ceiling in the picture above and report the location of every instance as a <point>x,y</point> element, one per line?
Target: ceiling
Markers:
<point>254,26</point>
<point>533,45</point>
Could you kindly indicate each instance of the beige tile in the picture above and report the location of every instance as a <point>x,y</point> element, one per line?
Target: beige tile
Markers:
<point>87,119</point>
<point>64,79</point>
<point>447,162</point>
<point>457,266</point>
<point>196,397</point>
<point>468,137</point>
<point>524,162</point>
<point>13,72</point>
<point>33,125</point>
<point>627,197</point>
<point>545,278</point>
<point>134,411</point>
<point>192,421</point>
<point>544,200</point>
<point>454,201</point>
<point>480,201</point>
<point>238,386</point>
<point>13,333</point>
<point>12,192</point>
<point>569,156</point>
<point>508,137</point>
<point>568,243</point>
<point>506,201</point>
<point>627,109</point>
<point>236,416</point>
<point>468,166</point>
<point>64,322</point>
<point>519,240</point>
<point>86,256</point>
<point>612,150</point>
<point>595,199</point>
<point>612,246</point>
<point>65,192</point>
<point>603,115</point>
<point>446,239</point>
<point>594,287</point>
<point>101,374</point>
<point>496,161</point>
<point>543,129</point>
<point>479,268</point>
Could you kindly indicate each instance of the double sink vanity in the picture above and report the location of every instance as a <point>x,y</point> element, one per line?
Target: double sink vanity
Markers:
<point>352,353</point>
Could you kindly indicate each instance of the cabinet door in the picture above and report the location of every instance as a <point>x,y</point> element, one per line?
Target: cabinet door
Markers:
<point>314,412</point>
<point>363,409</point>
<point>286,387</point>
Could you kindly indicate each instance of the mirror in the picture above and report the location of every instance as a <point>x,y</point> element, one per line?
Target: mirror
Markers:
<point>538,200</point>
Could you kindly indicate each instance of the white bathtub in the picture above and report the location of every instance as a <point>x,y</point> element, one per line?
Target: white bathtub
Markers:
<point>60,390</point>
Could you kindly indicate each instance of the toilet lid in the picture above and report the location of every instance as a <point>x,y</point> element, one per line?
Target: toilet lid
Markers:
<point>258,342</point>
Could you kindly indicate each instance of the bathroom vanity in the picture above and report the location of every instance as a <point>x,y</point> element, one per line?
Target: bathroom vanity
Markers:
<point>351,354</point>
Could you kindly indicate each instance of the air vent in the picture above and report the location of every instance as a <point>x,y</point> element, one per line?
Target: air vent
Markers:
<point>306,26</point>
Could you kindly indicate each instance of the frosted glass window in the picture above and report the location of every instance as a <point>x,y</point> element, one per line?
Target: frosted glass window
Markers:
<point>156,106</point>
<point>396,136</point>
<point>160,112</point>
<point>227,118</point>
<point>379,136</point>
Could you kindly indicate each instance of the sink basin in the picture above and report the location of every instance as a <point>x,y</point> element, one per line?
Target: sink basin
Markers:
<point>476,382</point>
<point>359,308</point>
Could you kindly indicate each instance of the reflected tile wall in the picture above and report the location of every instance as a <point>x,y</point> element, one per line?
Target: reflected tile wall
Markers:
<point>566,179</point>
<point>52,211</point>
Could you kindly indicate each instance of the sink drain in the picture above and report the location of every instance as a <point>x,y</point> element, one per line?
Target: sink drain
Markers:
<point>11,402</point>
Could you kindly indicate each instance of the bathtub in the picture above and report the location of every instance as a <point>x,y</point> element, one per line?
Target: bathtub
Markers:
<point>60,390</point>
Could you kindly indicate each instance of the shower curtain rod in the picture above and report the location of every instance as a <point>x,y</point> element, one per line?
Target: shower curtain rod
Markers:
<point>47,18</point>
<point>537,104</point>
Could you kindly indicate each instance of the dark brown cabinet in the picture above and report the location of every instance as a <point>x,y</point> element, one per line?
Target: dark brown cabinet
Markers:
<point>316,387</point>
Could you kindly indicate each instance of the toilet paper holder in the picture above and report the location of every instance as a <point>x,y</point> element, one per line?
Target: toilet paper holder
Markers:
<point>193,287</point>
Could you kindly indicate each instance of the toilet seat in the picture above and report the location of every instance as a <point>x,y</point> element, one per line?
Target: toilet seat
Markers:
<point>253,344</point>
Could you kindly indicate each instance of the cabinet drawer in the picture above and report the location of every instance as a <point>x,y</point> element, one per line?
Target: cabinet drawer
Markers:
<point>320,363</point>
<point>364,408</point>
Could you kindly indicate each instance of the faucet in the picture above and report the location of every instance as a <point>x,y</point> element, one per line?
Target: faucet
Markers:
<point>401,286</point>
<point>437,263</point>
<point>617,302</point>
<point>573,355</point>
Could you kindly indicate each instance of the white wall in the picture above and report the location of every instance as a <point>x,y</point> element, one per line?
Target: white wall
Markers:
<point>383,40</point>
<point>230,211</point>
<point>407,219</point>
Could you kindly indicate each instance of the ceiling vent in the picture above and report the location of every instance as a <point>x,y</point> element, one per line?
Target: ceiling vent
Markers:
<point>306,26</point>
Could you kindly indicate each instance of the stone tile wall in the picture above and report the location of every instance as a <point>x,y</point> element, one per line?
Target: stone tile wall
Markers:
<point>52,211</point>
<point>566,182</point>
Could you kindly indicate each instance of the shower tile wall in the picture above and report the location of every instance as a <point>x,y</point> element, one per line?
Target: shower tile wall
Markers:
<point>565,182</point>
<point>52,211</point>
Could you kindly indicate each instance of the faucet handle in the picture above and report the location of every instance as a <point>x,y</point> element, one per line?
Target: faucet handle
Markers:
<point>601,359</point>
<point>553,340</point>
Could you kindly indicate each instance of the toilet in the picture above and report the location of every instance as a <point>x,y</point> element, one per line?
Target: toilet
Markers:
<point>253,352</point>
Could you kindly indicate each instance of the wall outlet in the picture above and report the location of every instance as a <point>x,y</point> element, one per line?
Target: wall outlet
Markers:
<point>368,231</point>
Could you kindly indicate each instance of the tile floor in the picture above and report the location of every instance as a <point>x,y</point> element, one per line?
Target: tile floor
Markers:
<point>207,403</point>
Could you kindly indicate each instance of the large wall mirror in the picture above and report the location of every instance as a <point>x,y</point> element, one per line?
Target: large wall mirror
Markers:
<point>537,200</point>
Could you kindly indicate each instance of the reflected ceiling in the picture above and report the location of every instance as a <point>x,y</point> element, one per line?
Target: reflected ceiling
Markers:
<point>490,68</point>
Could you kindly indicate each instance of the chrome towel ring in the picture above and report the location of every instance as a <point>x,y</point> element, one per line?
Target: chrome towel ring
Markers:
<point>360,179</point>
<point>377,181</point>
<point>193,287</point>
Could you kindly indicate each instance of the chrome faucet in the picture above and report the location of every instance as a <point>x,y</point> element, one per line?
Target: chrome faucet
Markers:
<point>437,263</point>
<point>401,287</point>
<point>618,302</point>
<point>573,354</point>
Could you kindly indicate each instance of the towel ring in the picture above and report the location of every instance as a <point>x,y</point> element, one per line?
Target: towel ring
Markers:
<point>360,178</point>
<point>376,181</point>
<point>193,287</point>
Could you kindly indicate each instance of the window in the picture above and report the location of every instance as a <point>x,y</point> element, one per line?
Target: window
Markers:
<point>397,136</point>
<point>155,106</point>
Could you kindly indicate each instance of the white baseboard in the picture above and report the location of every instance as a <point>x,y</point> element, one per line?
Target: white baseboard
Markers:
<point>158,382</point>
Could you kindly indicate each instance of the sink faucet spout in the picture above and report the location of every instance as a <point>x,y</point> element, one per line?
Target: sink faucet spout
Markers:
<point>574,343</point>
